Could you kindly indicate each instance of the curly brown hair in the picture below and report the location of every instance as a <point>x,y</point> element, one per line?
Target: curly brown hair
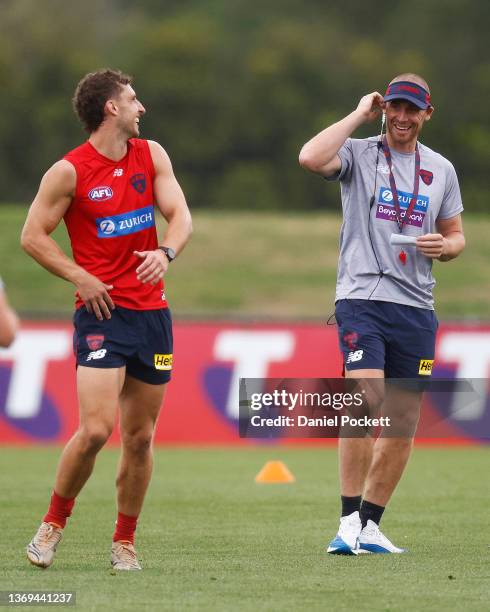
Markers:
<point>92,93</point>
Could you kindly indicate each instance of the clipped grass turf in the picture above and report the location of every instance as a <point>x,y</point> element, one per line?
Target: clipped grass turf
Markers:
<point>211,539</point>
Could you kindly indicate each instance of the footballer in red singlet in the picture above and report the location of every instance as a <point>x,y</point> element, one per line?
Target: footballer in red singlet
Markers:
<point>111,216</point>
<point>107,191</point>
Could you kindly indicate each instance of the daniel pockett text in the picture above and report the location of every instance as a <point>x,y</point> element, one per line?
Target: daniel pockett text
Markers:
<point>282,408</point>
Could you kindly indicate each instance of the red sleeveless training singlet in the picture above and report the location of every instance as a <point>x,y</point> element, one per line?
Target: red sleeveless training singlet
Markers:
<point>112,215</point>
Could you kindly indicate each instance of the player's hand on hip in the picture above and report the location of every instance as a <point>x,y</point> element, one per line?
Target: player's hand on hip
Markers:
<point>431,245</point>
<point>153,267</point>
<point>371,106</point>
<point>94,294</point>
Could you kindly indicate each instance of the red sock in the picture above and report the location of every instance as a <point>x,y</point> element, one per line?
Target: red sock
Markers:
<point>125,528</point>
<point>59,510</point>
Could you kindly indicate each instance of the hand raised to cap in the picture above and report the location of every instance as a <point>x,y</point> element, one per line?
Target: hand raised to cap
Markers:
<point>371,106</point>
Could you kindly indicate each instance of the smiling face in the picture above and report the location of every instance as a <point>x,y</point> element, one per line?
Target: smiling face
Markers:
<point>128,111</point>
<point>404,121</point>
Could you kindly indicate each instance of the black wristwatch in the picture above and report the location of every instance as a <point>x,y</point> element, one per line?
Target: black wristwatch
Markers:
<point>169,252</point>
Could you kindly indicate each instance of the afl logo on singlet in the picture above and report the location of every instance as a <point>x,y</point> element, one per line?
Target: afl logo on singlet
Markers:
<point>100,194</point>
<point>107,226</point>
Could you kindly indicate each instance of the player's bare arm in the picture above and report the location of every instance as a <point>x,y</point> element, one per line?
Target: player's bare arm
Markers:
<point>50,204</point>
<point>319,154</point>
<point>171,202</point>
<point>447,244</point>
<point>9,321</point>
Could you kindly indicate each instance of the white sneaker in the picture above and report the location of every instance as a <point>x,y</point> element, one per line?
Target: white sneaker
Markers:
<point>41,549</point>
<point>345,542</point>
<point>123,556</point>
<point>371,540</point>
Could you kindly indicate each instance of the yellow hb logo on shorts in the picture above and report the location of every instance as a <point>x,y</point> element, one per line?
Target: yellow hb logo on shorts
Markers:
<point>163,362</point>
<point>425,367</point>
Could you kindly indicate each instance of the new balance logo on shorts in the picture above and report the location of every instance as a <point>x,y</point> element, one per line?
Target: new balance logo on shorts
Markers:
<point>425,367</point>
<point>163,362</point>
<point>354,356</point>
<point>100,354</point>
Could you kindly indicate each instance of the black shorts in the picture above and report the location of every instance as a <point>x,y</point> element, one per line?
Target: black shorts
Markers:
<point>141,340</point>
<point>385,336</point>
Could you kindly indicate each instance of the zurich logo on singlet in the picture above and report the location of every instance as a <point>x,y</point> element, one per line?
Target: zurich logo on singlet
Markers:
<point>127,223</point>
<point>107,227</point>
<point>100,194</point>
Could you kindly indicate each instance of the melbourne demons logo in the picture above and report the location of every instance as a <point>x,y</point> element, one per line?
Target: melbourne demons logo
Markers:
<point>95,341</point>
<point>426,176</point>
<point>138,181</point>
<point>351,338</point>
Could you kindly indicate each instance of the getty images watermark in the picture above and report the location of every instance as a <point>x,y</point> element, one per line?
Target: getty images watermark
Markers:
<point>340,407</point>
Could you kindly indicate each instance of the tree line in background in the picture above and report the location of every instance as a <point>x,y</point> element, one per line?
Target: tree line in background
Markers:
<point>233,88</point>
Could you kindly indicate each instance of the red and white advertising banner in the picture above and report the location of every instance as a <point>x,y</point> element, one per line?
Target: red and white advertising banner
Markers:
<point>38,401</point>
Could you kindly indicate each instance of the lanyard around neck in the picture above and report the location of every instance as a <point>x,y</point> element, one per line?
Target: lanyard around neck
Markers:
<point>402,219</point>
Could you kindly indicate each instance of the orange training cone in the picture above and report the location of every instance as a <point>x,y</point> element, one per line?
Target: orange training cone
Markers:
<point>274,471</point>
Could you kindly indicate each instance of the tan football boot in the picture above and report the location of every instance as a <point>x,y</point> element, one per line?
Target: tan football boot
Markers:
<point>41,549</point>
<point>123,556</point>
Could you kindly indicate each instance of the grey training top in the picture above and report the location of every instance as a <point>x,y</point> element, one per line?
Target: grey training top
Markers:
<point>439,198</point>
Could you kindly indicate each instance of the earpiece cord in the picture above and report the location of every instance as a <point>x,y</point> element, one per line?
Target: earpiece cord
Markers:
<point>379,144</point>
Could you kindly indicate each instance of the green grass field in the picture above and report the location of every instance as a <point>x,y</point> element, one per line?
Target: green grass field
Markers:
<point>211,539</point>
<point>255,265</point>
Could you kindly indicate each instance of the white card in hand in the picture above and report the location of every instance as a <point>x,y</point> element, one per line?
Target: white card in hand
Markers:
<point>400,239</point>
